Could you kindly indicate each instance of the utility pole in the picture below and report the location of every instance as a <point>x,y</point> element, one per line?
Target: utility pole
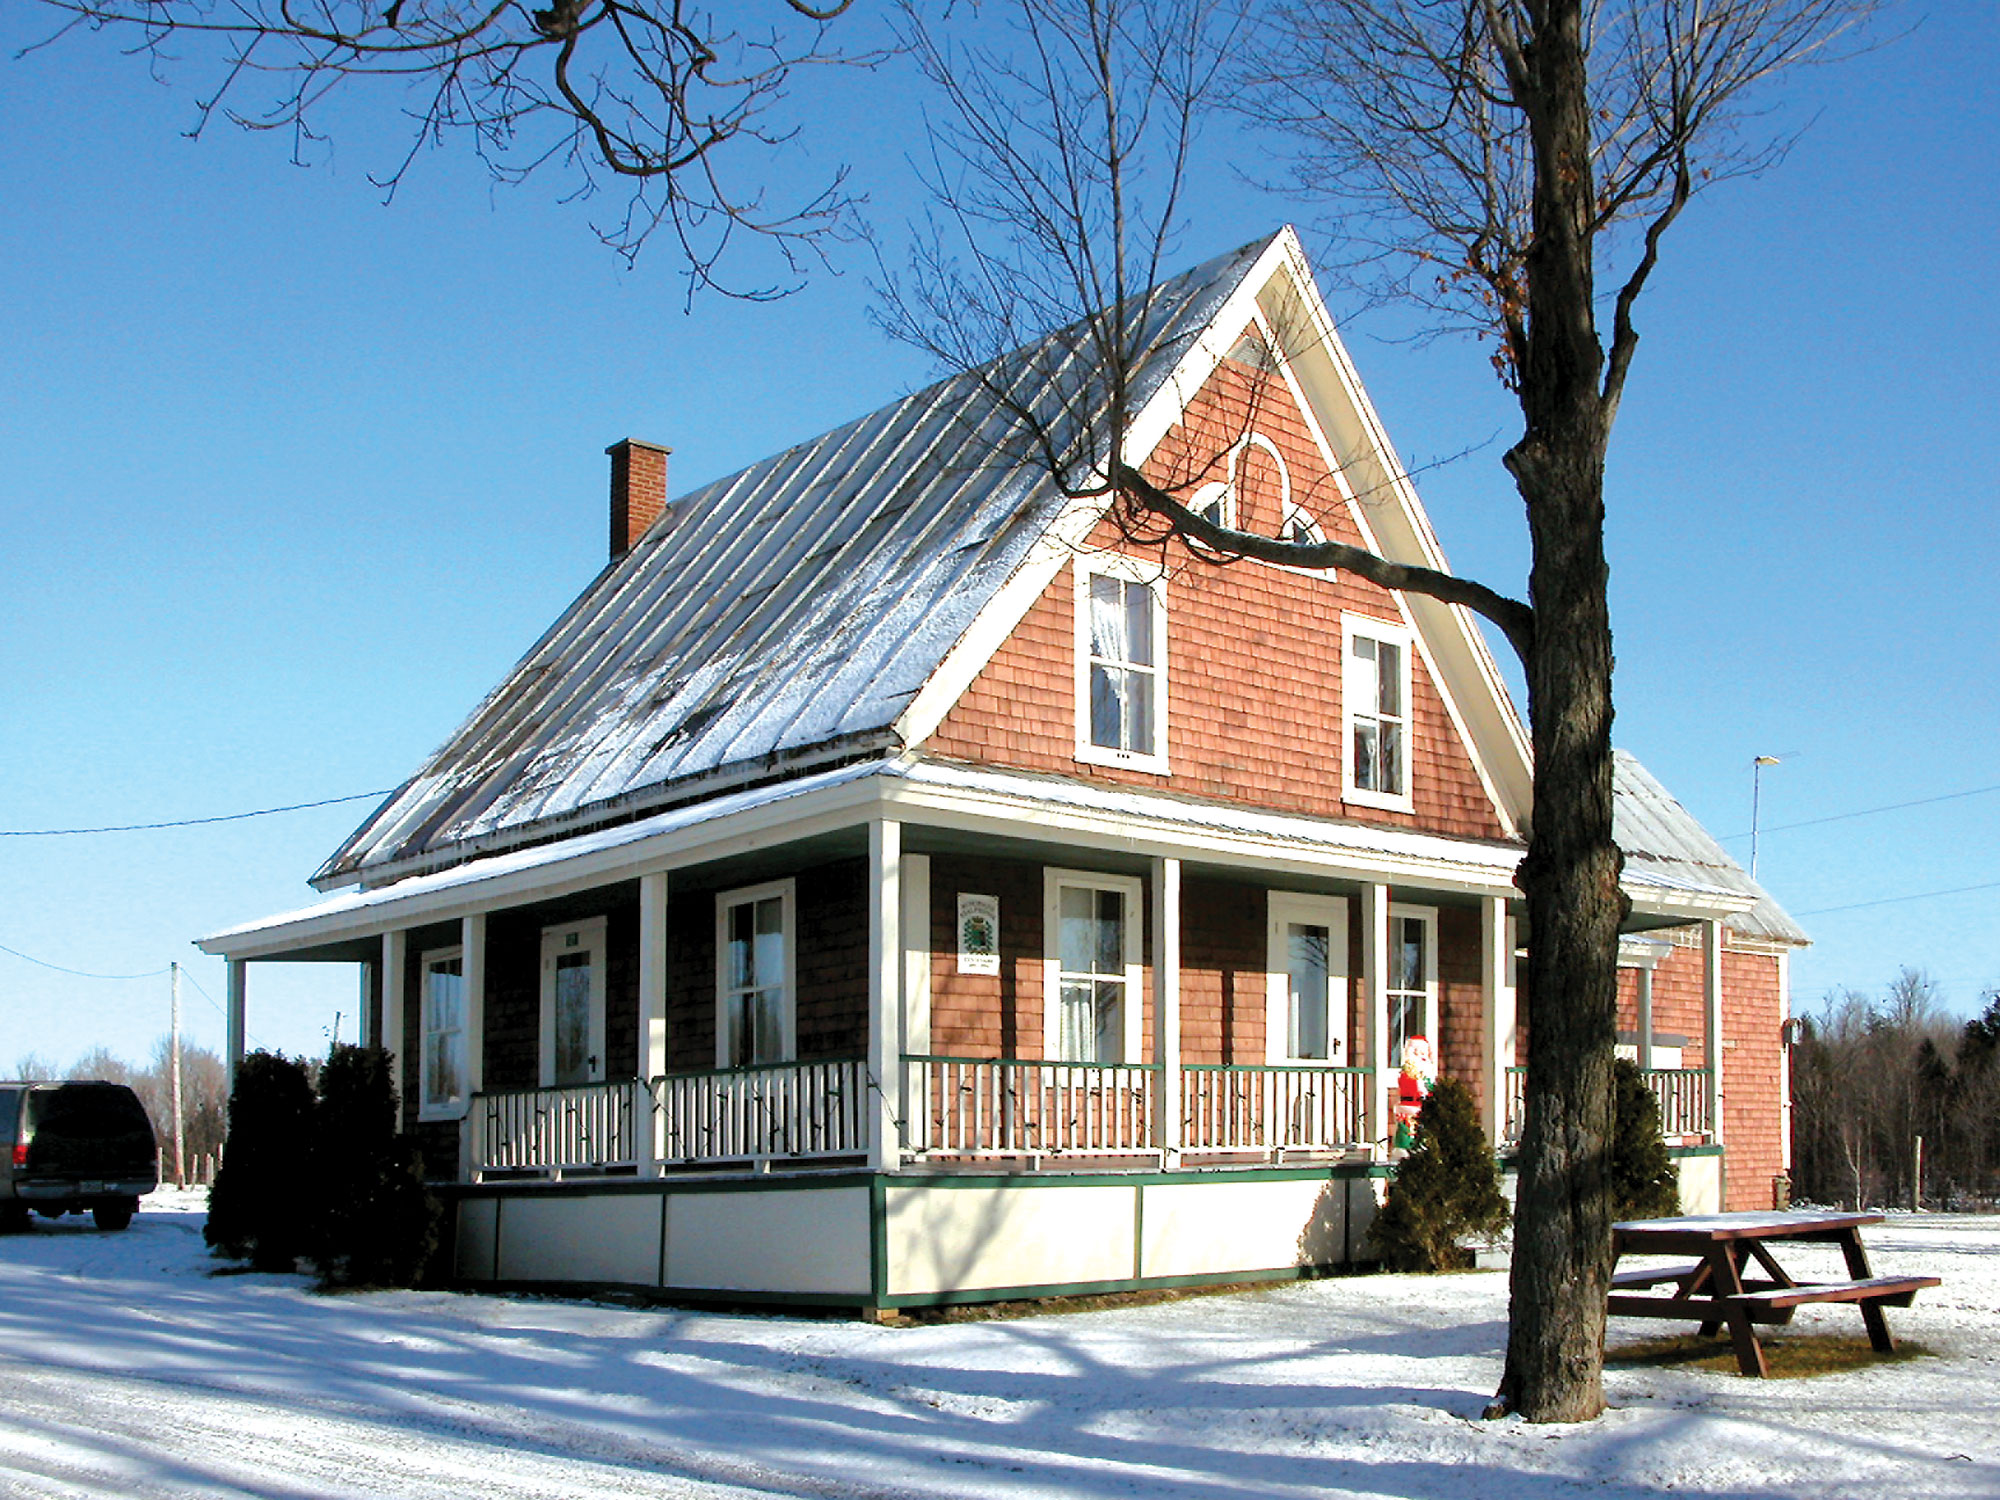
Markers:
<point>1756,796</point>
<point>174,1075</point>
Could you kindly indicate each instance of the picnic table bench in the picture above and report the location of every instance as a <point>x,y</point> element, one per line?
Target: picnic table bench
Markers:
<point>1712,1290</point>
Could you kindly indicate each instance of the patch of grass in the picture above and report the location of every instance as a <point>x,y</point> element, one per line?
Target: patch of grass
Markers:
<point>1792,1357</point>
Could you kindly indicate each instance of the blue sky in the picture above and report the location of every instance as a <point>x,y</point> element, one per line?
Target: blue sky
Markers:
<point>292,477</point>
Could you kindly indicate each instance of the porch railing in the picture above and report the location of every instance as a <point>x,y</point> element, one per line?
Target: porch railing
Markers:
<point>966,1106</point>
<point>581,1127</point>
<point>793,1110</point>
<point>1681,1093</point>
<point>1271,1109</point>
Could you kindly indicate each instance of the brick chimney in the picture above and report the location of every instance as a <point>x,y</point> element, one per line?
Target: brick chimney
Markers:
<point>638,491</point>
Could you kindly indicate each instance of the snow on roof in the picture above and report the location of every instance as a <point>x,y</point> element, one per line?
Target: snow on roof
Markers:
<point>1664,845</point>
<point>773,618</point>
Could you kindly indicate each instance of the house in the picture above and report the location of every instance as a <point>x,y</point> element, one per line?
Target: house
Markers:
<point>888,884</point>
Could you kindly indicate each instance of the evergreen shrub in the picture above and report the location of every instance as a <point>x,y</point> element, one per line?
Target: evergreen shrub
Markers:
<point>376,1224</point>
<point>1644,1184</point>
<point>258,1206</point>
<point>1446,1191</point>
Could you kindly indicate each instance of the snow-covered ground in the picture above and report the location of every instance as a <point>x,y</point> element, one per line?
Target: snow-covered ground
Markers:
<point>128,1369</point>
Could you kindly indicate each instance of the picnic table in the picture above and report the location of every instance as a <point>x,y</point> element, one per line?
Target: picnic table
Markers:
<point>1714,1291</point>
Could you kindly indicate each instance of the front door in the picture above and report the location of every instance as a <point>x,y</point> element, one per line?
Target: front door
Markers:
<point>573,1003</point>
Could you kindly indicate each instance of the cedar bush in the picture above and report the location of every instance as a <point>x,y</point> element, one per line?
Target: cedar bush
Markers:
<point>1446,1190</point>
<point>1644,1184</point>
<point>258,1207</point>
<point>377,1224</point>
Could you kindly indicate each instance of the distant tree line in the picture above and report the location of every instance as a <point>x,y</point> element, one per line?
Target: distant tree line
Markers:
<point>1871,1078</point>
<point>204,1091</point>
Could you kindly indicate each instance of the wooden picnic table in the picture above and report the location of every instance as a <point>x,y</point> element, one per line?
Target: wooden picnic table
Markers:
<point>1714,1291</point>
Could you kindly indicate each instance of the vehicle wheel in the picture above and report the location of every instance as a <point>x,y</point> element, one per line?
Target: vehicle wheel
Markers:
<point>112,1216</point>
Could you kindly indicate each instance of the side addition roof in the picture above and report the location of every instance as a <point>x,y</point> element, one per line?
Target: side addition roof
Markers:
<point>1662,841</point>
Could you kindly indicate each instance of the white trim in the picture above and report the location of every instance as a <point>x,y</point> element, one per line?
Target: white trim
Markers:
<point>1355,627</point>
<point>996,622</point>
<point>1497,1007</point>
<point>1131,1016</point>
<point>917,953</point>
<point>453,1108</point>
<point>588,938</point>
<point>886,1016</point>
<point>788,1022</point>
<point>654,889</point>
<point>1165,878</point>
<point>395,953</point>
<point>1149,576</point>
<point>1283,909</point>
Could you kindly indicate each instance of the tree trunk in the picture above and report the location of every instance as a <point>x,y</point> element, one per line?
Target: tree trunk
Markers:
<point>1562,1242</point>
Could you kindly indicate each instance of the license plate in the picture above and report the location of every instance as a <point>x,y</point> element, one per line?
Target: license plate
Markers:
<point>90,1187</point>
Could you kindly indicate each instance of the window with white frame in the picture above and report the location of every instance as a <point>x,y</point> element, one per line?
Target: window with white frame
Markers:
<point>1306,1017</point>
<point>1092,970</point>
<point>756,1019</point>
<point>1376,712</point>
<point>441,1028</point>
<point>572,1033</point>
<point>1121,653</point>
<point>1412,978</point>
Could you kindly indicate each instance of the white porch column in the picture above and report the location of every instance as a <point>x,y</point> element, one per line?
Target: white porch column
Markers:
<point>472,938</point>
<point>366,1030</point>
<point>885,990</point>
<point>1496,1002</point>
<point>1642,982</point>
<point>1711,1011</point>
<point>916,883</point>
<point>652,1040</point>
<point>235,1016</point>
<point>1375,991</point>
<point>1167,1007</point>
<point>395,950</point>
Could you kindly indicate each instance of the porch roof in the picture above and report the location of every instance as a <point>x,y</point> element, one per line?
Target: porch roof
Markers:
<point>947,794</point>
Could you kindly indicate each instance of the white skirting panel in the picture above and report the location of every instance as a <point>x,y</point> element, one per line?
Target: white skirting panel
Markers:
<point>1701,1184</point>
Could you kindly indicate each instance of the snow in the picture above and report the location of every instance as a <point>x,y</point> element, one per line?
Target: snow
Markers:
<point>128,1368</point>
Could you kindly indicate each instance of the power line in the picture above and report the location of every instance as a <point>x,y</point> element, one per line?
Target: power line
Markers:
<point>1869,812</point>
<point>79,973</point>
<point>1959,890</point>
<point>261,812</point>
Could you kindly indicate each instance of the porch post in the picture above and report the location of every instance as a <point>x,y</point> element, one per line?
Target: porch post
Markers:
<point>1642,981</point>
<point>472,938</point>
<point>395,948</point>
<point>885,988</point>
<point>652,1049</point>
<point>1496,998</point>
<point>366,1030</point>
<point>238,1006</point>
<point>1375,991</point>
<point>1167,1007</point>
<point>1711,1011</point>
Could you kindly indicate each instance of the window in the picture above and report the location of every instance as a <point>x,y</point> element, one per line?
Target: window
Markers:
<point>1306,1013</point>
<point>1121,664</point>
<point>442,1028</point>
<point>573,1003</point>
<point>1091,983</point>
<point>755,1020</point>
<point>1376,689</point>
<point>1412,978</point>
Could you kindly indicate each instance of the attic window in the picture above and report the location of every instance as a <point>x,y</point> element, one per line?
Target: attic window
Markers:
<point>1253,350</point>
<point>1121,664</point>
<point>1375,713</point>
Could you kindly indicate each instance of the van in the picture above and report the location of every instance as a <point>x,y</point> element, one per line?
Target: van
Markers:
<point>68,1147</point>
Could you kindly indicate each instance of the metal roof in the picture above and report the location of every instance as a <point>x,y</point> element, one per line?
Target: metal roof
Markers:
<point>1664,844</point>
<point>778,619</point>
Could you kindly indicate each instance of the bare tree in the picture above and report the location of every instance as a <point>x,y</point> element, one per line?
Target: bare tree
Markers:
<point>1494,160</point>
<point>667,97</point>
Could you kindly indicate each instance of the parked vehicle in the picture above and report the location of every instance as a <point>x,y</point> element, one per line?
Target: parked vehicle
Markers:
<point>68,1147</point>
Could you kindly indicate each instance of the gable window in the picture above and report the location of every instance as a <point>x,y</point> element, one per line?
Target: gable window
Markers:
<point>1092,973</point>
<point>1375,713</point>
<point>1121,664</point>
<point>755,999</point>
<point>1412,978</point>
<point>1306,1014</point>
<point>441,1028</point>
<point>573,1003</point>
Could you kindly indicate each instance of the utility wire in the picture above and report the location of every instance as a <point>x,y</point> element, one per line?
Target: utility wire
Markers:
<point>1869,812</point>
<point>261,812</point>
<point>79,973</point>
<point>1957,890</point>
